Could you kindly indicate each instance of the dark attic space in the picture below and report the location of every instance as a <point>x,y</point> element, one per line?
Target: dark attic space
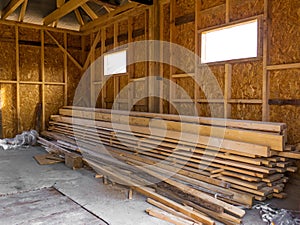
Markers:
<point>150,112</point>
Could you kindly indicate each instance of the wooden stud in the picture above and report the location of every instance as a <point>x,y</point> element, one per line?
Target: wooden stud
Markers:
<point>172,28</point>
<point>103,80</point>
<point>284,66</point>
<point>227,92</point>
<point>130,67</point>
<point>65,70</point>
<point>18,76</point>
<point>43,79</point>
<point>79,17</point>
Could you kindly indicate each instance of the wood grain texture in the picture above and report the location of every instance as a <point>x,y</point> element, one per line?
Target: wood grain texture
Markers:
<point>30,63</point>
<point>54,65</point>
<point>240,9</point>
<point>246,112</point>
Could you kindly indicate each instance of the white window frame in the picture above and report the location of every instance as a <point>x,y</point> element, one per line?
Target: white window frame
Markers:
<point>106,73</point>
<point>228,26</point>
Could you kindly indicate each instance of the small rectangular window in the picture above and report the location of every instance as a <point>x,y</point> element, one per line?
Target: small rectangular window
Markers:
<point>232,42</point>
<point>115,63</point>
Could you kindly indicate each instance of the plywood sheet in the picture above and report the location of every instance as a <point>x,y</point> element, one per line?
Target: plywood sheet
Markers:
<point>7,32</point>
<point>240,9</point>
<point>9,110</point>
<point>246,111</point>
<point>8,61</point>
<point>206,4</point>
<point>29,96</point>
<point>123,82</point>
<point>211,110</point>
<point>284,31</point>
<point>30,63</point>
<point>290,115</point>
<point>29,34</point>
<point>184,7</point>
<point>185,88</point>
<point>123,32</point>
<point>54,65</point>
<point>109,38</point>
<point>57,35</point>
<point>285,84</point>
<point>247,80</point>
<point>74,76</point>
<point>54,97</point>
<point>213,17</point>
<point>74,41</point>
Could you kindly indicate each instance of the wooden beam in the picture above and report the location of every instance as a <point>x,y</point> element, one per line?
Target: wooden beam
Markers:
<point>23,10</point>
<point>63,10</point>
<point>64,50</point>
<point>79,17</point>
<point>116,12</point>
<point>43,79</point>
<point>227,92</point>
<point>93,47</point>
<point>65,69</point>
<point>59,3</point>
<point>284,66</point>
<point>18,77</point>
<point>11,7</point>
<point>89,11</point>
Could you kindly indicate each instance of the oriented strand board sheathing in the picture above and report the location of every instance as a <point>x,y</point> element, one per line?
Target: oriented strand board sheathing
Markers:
<point>9,110</point>
<point>213,88</point>
<point>185,88</point>
<point>240,9</point>
<point>8,61</point>
<point>29,96</point>
<point>247,80</point>
<point>58,36</point>
<point>185,108</point>
<point>184,35</point>
<point>207,4</point>
<point>109,35</point>
<point>211,110</point>
<point>212,17</point>
<point>246,111</point>
<point>7,32</point>
<point>290,115</point>
<point>30,63</point>
<point>123,32</point>
<point>285,84</point>
<point>123,81</point>
<point>74,41</point>
<point>284,31</point>
<point>109,86</point>
<point>73,80</point>
<point>28,34</point>
<point>184,7</point>
<point>54,96</point>
<point>54,65</point>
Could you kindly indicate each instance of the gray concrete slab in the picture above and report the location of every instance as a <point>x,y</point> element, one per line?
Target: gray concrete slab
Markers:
<point>20,172</point>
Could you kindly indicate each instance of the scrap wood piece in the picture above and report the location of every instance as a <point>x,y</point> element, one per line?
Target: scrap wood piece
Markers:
<point>176,206</point>
<point>170,218</point>
<point>47,159</point>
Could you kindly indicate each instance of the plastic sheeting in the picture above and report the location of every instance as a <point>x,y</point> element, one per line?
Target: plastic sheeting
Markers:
<point>27,138</point>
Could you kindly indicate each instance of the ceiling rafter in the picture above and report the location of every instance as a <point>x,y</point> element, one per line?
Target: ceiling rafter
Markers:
<point>23,10</point>
<point>89,11</point>
<point>59,3</point>
<point>79,17</point>
<point>63,10</point>
<point>11,7</point>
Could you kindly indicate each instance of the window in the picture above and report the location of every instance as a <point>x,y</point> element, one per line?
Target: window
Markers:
<point>115,63</point>
<point>231,42</point>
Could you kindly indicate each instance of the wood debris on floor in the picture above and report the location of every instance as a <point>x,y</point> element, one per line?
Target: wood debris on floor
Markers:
<point>44,206</point>
<point>195,168</point>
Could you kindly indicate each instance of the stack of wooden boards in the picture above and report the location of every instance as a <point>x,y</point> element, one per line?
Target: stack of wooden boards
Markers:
<point>209,164</point>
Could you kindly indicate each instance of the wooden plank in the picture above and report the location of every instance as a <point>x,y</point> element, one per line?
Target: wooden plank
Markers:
<point>284,66</point>
<point>43,79</point>
<point>196,216</point>
<point>241,176</point>
<point>47,159</point>
<point>274,141</point>
<point>291,154</point>
<point>10,8</point>
<point>252,185</point>
<point>18,79</point>
<point>63,10</point>
<point>227,92</point>
<point>79,17</point>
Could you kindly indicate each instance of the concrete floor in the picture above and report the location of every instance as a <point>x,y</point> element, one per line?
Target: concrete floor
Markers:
<point>20,172</point>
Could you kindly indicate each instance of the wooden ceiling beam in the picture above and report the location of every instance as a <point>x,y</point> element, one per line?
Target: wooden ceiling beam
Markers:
<point>63,10</point>
<point>79,17</point>
<point>23,11</point>
<point>10,8</point>
<point>89,11</point>
<point>59,3</point>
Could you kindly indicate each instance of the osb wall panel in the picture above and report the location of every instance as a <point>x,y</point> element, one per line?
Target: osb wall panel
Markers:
<point>123,82</point>
<point>184,89</point>
<point>74,41</point>
<point>74,76</point>
<point>9,110</point>
<point>30,63</point>
<point>240,9</point>
<point>213,17</point>
<point>211,110</point>
<point>284,32</point>
<point>184,35</point>
<point>247,80</point>
<point>212,88</point>
<point>7,32</point>
<point>285,84</point>
<point>8,61</point>
<point>290,115</point>
<point>185,108</point>
<point>109,86</point>
<point>184,7</point>
<point>109,34</point>
<point>207,4</point>
<point>122,32</point>
<point>30,96</point>
<point>28,34</point>
<point>54,96</point>
<point>246,111</point>
<point>58,36</point>
<point>54,65</point>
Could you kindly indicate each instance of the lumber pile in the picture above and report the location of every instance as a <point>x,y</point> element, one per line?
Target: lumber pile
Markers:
<point>197,167</point>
